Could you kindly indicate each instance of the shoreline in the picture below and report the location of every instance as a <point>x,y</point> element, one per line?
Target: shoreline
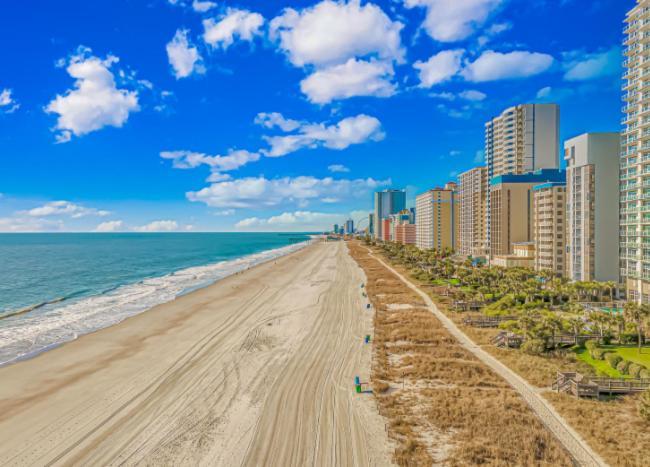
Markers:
<point>273,254</point>
<point>222,376</point>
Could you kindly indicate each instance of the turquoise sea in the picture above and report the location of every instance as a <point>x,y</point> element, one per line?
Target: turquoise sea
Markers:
<point>55,287</point>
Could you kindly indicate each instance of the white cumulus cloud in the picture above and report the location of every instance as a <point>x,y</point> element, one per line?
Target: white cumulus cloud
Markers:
<point>109,226</point>
<point>158,226</point>
<point>202,6</point>
<point>241,24</point>
<point>260,192</point>
<point>305,221</point>
<point>330,33</point>
<point>29,224</point>
<point>493,66</point>
<point>472,95</point>
<point>582,67</point>
<point>65,208</point>
<point>347,132</point>
<point>338,168</point>
<point>439,68</point>
<point>349,79</point>
<point>8,104</point>
<point>218,164</point>
<point>454,20</point>
<point>276,119</point>
<point>183,56</point>
<point>95,101</point>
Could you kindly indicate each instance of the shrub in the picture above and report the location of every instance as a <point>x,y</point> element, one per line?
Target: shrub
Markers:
<point>613,359</point>
<point>623,366</point>
<point>534,347</point>
<point>606,339</point>
<point>634,369</point>
<point>644,374</point>
<point>629,338</point>
<point>591,345</point>
<point>598,354</point>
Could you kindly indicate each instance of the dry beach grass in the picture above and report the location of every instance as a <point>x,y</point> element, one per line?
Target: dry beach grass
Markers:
<point>614,428</point>
<point>443,405</point>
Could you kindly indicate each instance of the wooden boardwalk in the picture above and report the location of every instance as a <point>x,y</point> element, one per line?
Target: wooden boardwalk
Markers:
<point>580,385</point>
<point>487,321</point>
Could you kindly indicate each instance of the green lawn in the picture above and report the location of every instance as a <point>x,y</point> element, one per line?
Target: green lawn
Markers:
<point>631,353</point>
<point>601,366</point>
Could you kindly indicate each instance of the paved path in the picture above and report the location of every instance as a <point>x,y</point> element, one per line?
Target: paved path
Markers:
<point>570,439</point>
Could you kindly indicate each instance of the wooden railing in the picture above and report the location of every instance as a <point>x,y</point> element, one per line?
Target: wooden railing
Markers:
<point>591,386</point>
<point>487,321</point>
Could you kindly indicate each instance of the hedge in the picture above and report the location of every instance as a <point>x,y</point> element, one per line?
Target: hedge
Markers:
<point>534,347</point>
<point>634,369</point>
<point>598,354</point>
<point>613,359</point>
<point>623,366</point>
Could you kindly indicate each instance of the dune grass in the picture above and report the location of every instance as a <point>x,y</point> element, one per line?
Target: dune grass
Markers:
<point>613,428</point>
<point>443,406</point>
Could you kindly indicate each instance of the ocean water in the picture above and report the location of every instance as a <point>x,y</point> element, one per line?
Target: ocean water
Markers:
<point>56,287</point>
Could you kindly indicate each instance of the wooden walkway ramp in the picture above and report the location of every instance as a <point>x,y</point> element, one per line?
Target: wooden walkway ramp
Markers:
<point>487,321</point>
<point>580,385</point>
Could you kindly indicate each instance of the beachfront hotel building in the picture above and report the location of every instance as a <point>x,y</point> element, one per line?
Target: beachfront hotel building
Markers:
<point>387,202</point>
<point>437,225</point>
<point>511,208</point>
<point>549,227</point>
<point>635,157</point>
<point>405,234</point>
<point>592,184</point>
<point>473,191</point>
<point>524,138</point>
<point>523,256</point>
<point>349,227</point>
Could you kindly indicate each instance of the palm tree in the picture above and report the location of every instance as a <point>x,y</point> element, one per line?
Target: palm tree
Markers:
<point>636,314</point>
<point>576,324</point>
<point>619,321</point>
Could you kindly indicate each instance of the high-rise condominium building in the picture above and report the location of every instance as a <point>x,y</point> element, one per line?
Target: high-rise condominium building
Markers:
<point>387,202</point>
<point>386,229</point>
<point>549,226</point>
<point>437,214</point>
<point>635,157</point>
<point>405,234</point>
<point>349,227</point>
<point>473,191</point>
<point>523,139</point>
<point>511,208</point>
<point>592,167</point>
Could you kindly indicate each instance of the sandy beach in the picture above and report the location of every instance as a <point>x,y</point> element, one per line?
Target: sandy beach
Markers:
<point>254,370</point>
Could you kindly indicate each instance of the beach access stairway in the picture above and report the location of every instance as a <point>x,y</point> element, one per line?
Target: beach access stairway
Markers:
<point>508,340</point>
<point>579,385</point>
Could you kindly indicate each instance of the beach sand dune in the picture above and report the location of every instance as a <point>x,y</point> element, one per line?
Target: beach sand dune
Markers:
<point>257,369</point>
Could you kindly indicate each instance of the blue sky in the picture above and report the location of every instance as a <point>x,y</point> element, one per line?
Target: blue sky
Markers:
<point>159,115</point>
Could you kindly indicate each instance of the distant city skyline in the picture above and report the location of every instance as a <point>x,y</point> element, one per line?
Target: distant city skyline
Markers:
<point>172,115</point>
